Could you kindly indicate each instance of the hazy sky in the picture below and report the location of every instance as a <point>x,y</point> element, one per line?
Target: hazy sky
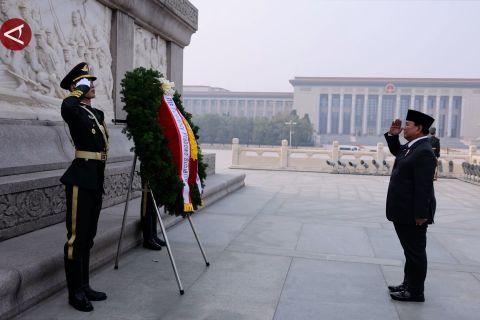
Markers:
<point>258,45</point>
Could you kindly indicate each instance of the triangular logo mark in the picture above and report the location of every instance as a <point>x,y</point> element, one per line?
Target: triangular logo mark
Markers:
<point>19,29</point>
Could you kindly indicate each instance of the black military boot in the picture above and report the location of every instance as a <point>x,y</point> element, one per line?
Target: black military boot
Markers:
<point>76,295</point>
<point>155,237</point>
<point>91,294</point>
<point>79,301</point>
<point>148,241</point>
<point>146,222</point>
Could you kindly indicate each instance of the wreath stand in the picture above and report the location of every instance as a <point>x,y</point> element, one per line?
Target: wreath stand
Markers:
<point>164,233</point>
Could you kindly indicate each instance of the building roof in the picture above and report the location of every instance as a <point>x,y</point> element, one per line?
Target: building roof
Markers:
<point>399,82</point>
<point>212,92</point>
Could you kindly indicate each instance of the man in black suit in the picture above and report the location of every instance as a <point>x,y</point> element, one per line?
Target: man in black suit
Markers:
<point>83,182</point>
<point>411,199</point>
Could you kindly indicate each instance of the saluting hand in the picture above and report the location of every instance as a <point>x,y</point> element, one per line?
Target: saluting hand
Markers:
<point>396,127</point>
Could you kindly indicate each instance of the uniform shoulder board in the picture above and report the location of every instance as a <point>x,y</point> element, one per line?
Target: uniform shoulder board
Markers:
<point>76,93</point>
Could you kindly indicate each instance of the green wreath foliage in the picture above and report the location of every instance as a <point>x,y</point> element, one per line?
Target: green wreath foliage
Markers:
<point>142,94</point>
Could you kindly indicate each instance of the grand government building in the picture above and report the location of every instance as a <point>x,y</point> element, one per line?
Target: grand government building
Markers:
<point>355,107</point>
<point>199,100</point>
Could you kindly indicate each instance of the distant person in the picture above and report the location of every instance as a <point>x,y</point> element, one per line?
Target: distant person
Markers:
<point>435,142</point>
<point>411,199</point>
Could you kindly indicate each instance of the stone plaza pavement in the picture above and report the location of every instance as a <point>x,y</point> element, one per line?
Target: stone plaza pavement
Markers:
<point>293,245</point>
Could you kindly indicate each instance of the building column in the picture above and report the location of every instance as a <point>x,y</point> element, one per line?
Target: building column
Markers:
<point>364,115</point>
<point>329,114</point>
<point>316,117</point>
<point>175,64</point>
<point>340,116</point>
<point>449,116</point>
<point>424,107</point>
<point>462,119</point>
<point>397,106</point>
<point>122,34</point>
<point>379,114</point>
<point>437,110</point>
<point>238,108</point>
<point>352,117</point>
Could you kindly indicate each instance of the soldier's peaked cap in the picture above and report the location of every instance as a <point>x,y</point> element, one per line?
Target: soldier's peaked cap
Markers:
<point>420,118</point>
<point>78,72</point>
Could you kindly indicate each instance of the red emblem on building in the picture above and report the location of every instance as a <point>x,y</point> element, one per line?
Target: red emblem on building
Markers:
<point>390,88</point>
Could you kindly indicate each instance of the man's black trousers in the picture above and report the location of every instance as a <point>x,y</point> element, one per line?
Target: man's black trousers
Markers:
<point>414,243</point>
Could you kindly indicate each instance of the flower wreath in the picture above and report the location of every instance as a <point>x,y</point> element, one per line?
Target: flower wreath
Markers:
<point>145,93</point>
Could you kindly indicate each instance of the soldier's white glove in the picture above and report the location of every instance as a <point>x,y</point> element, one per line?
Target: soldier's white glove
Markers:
<point>83,81</point>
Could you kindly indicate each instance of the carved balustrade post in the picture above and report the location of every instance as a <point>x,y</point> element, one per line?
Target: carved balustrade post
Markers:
<point>284,154</point>
<point>235,152</point>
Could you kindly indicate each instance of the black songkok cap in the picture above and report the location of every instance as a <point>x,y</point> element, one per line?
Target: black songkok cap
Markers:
<point>420,118</point>
<point>78,72</point>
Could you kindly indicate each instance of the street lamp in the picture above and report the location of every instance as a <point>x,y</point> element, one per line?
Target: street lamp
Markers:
<point>290,124</point>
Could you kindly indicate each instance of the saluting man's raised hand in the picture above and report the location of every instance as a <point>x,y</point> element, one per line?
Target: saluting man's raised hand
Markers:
<point>396,127</point>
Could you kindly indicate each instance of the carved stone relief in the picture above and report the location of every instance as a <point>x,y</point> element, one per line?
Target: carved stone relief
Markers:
<point>24,207</point>
<point>185,9</point>
<point>150,50</point>
<point>64,33</point>
<point>117,185</point>
<point>24,210</point>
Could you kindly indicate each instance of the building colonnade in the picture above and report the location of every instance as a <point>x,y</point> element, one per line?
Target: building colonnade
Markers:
<point>371,114</point>
<point>240,107</point>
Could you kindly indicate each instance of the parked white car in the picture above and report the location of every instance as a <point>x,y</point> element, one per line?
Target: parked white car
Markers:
<point>348,148</point>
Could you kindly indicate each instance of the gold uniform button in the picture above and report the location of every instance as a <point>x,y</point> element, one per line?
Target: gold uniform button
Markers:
<point>93,131</point>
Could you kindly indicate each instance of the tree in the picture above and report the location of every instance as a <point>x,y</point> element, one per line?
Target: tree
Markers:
<point>216,128</point>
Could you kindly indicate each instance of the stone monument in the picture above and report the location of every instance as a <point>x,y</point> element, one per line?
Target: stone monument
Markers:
<point>113,36</point>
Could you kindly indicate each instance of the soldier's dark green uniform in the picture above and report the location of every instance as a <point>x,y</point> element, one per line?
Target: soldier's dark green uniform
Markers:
<point>83,182</point>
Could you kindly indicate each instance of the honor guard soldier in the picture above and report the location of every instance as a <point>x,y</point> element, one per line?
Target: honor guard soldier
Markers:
<point>83,182</point>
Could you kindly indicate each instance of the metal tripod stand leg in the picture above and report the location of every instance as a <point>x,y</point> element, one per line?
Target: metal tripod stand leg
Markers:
<point>129,190</point>
<point>198,241</point>
<point>169,250</point>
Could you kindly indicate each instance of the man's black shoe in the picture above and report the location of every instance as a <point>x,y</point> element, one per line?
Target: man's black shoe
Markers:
<point>152,245</point>
<point>405,295</point>
<point>397,288</point>
<point>94,295</point>
<point>80,302</point>
<point>159,241</point>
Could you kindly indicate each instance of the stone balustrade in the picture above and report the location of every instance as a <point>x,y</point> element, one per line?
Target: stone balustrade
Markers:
<point>368,160</point>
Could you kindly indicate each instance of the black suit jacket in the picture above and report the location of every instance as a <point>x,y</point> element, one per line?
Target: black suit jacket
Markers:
<point>86,136</point>
<point>410,192</point>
